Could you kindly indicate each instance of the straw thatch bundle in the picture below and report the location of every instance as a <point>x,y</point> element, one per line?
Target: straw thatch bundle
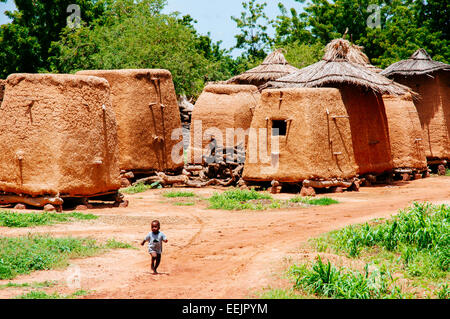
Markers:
<point>357,55</point>
<point>419,63</point>
<point>273,67</point>
<point>337,68</point>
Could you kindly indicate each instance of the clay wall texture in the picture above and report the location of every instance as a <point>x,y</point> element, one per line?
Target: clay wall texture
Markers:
<point>144,127</point>
<point>405,132</point>
<point>370,133</point>
<point>222,107</point>
<point>318,141</point>
<point>433,107</point>
<point>58,135</point>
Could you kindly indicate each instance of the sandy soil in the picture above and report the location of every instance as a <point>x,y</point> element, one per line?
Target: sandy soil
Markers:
<point>211,253</point>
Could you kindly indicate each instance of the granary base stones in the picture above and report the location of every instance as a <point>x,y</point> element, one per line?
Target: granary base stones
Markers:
<point>58,137</point>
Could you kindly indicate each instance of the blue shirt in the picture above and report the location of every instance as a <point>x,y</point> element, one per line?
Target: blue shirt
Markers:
<point>155,241</point>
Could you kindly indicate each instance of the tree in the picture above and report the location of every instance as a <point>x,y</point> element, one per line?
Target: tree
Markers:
<point>253,25</point>
<point>26,40</point>
<point>139,36</point>
<point>404,26</point>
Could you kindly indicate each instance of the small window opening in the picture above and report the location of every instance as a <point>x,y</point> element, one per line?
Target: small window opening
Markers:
<point>279,128</point>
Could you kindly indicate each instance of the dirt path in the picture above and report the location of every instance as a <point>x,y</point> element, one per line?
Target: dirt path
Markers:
<point>213,254</point>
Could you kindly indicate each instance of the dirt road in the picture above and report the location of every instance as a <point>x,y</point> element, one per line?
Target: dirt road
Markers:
<point>213,254</point>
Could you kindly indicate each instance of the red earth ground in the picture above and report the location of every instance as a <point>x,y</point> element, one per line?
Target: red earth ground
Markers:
<point>211,253</point>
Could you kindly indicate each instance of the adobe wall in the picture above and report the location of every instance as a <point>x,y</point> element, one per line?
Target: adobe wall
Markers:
<point>405,132</point>
<point>147,112</point>
<point>433,107</point>
<point>58,135</point>
<point>370,134</point>
<point>218,108</point>
<point>318,140</point>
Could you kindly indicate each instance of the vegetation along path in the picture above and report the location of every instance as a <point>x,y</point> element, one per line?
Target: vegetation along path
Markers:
<point>211,253</point>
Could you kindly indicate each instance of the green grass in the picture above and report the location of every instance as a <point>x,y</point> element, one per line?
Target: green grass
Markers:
<point>323,201</point>
<point>325,280</point>
<point>14,219</point>
<point>413,245</point>
<point>237,199</point>
<point>279,294</point>
<point>184,204</point>
<point>22,255</point>
<point>44,284</point>
<point>447,172</point>
<point>36,294</point>
<point>139,188</point>
<point>114,244</point>
<point>418,237</point>
<point>179,194</point>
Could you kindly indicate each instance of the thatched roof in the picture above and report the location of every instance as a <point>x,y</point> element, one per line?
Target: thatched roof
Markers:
<point>357,55</point>
<point>273,67</point>
<point>336,69</point>
<point>419,63</point>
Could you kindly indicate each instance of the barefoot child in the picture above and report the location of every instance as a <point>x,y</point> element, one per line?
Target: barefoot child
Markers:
<point>155,239</point>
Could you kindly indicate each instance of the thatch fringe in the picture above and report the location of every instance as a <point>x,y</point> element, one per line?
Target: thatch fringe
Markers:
<point>419,63</point>
<point>273,67</point>
<point>337,68</point>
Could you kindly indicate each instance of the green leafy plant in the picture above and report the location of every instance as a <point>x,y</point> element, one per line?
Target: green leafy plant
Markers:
<point>420,235</point>
<point>328,281</point>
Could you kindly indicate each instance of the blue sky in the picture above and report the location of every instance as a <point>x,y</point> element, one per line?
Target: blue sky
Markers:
<point>212,15</point>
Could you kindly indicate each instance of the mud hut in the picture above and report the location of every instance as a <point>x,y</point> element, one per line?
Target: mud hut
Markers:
<point>301,135</point>
<point>431,80</point>
<point>273,67</point>
<point>58,138</point>
<point>361,91</point>
<point>147,114</point>
<point>221,116</point>
<point>405,134</point>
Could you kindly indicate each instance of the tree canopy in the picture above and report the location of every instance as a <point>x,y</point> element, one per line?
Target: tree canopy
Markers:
<point>137,34</point>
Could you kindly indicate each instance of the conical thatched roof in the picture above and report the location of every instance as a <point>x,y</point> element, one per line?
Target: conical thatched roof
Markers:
<point>419,63</point>
<point>336,69</point>
<point>273,67</point>
<point>357,55</point>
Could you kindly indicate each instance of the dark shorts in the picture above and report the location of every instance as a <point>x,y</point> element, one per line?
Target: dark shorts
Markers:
<point>154,253</point>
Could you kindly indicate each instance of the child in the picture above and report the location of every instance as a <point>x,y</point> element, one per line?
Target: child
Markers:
<point>155,239</point>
